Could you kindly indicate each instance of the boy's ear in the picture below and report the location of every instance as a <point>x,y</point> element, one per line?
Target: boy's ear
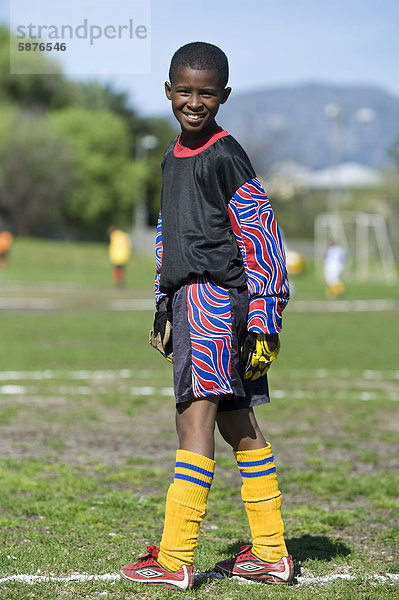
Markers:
<point>225,94</point>
<point>168,90</point>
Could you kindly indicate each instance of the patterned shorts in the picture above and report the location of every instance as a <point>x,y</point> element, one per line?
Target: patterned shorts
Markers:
<point>209,323</point>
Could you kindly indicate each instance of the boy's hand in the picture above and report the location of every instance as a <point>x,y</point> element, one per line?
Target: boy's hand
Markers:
<point>257,353</point>
<point>161,334</point>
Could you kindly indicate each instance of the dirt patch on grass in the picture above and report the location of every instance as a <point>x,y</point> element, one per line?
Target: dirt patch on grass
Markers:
<point>89,430</point>
<point>111,438</point>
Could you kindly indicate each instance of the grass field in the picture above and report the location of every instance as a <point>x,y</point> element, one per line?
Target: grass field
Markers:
<point>87,439</point>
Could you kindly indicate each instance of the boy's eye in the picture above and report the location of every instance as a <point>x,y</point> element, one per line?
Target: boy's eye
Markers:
<point>187,92</point>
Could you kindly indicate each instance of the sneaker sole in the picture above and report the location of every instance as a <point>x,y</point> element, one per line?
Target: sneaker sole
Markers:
<point>170,586</point>
<point>264,579</point>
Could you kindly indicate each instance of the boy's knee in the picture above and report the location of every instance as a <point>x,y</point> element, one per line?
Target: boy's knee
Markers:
<point>195,430</point>
<point>239,426</point>
<point>192,428</point>
<point>225,430</point>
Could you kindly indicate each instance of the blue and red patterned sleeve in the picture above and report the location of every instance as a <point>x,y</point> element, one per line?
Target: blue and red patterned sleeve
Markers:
<point>158,261</point>
<point>259,239</point>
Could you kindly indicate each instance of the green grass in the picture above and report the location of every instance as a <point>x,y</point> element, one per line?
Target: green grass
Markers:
<point>87,438</point>
<point>87,264</point>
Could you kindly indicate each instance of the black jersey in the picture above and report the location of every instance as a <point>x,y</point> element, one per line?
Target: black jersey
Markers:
<point>197,185</point>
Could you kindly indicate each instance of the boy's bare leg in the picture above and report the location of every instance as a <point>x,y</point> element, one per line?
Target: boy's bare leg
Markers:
<point>195,425</point>
<point>240,429</point>
<point>188,494</point>
<point>259,491</point>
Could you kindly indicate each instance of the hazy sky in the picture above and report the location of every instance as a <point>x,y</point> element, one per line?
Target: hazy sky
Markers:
<point>271,43</point>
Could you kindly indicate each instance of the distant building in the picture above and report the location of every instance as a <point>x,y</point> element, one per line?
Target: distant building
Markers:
<point>289,177</point>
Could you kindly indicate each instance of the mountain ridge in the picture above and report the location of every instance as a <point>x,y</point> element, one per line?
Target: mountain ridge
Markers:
<point>289,122</point>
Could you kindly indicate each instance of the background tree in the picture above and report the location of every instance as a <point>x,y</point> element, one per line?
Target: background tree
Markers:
<point>87,131</point>
<point>106,180</point>
<point>32,90</point>
<point>35,175</point>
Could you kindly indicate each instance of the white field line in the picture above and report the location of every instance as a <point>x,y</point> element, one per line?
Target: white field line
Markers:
<point>139,304</point>
<point>27,304</point>
<point>326,579</point>
<point>147,304</point>
<point>79,375</point>
<point>147,390</point>
<point>339,306</point>
<point>19,303</point>
<point>367,374</point>
<point>80,577</point>
<point>373,374</point>
<point>364,395</point>
<point>11,388</point>
<point>316,306</point>
<point>199,577</point>
<point>303,581</point>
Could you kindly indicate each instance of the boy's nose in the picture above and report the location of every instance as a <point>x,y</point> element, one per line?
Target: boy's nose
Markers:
<point>194,101</point>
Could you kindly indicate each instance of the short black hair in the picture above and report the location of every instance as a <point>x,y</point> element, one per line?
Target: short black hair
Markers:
<point>200,56</point>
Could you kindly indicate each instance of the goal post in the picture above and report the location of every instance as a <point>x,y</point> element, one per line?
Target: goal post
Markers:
<point>365,238</point>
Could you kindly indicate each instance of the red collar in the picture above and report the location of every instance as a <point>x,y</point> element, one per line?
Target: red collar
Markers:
<point>181,151</point>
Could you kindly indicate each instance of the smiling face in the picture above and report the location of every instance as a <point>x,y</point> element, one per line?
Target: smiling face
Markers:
<point>196,96</point>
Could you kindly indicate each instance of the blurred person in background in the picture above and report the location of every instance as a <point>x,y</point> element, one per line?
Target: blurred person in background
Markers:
<point>6,239</point>
<point>120,250</point>
<point>334,263</point>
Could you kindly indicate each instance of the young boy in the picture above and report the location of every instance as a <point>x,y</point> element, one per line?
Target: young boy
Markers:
<point>119,250</point>
<point>221,283</point>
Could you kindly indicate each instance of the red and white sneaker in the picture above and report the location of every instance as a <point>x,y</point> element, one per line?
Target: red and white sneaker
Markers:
<point>148,570</point>
<point>249,566</point>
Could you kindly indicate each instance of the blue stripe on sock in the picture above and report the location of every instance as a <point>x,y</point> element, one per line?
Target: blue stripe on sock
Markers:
<point>183,465</point>
<point>193,480</point>
<point>258,473</point>
<point>255,463</point>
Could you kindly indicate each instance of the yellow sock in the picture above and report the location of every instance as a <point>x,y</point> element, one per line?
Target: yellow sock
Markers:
<point>185,509</point>
<point>262,500</point>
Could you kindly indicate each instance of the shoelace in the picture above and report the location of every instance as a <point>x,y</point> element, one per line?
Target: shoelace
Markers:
<point>152,554</point>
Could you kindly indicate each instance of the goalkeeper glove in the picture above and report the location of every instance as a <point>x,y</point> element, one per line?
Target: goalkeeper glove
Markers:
<point>257,353</point>
<point>161,333</point>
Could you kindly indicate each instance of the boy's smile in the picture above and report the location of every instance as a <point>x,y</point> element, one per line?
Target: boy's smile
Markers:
<point>196,96</point>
